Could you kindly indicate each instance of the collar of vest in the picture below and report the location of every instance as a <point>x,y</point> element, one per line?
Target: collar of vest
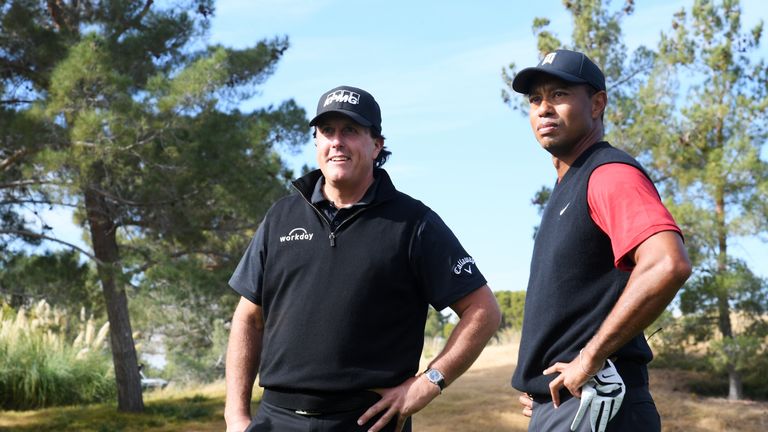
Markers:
<point>586,153</point>
<point>582,158</point>
<point>386,190</point>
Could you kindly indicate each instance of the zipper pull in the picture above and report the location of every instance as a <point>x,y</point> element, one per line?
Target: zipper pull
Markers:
<point>332,238</point>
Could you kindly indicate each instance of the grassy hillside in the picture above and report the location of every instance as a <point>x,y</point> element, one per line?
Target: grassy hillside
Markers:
<point>480,401</point>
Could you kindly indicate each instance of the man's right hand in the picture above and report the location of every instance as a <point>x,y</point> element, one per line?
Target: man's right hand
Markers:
<point>602,397</point>
<point>527,402</point>
<point>399,403</point>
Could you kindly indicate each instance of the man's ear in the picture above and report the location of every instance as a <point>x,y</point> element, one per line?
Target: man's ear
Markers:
<point>599,102</point>
<point>379,143</point>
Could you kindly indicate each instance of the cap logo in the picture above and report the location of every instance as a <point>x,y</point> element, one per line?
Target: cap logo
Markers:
<point>549,58</point>
<point>340,96</point>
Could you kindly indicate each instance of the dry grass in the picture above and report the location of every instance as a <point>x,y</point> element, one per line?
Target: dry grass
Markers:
<point>682,410</point>
<point>483,401</point>
<point>480,401</point>
<point>198,409</point>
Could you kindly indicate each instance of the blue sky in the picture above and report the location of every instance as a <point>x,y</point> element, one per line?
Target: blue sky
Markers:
<point>434,67</point>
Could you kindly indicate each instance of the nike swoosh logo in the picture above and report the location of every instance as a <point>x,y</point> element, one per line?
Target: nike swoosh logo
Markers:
<point>564,209</point>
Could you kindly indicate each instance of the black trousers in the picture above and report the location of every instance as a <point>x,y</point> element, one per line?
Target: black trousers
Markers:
<point>273,418</point>
<point>637,414</point>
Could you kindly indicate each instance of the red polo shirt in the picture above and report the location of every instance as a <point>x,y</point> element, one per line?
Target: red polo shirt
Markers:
<point>625,205</point>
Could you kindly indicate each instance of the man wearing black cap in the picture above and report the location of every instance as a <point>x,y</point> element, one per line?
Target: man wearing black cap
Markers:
<point>335,289</point>
<point>608,258</point>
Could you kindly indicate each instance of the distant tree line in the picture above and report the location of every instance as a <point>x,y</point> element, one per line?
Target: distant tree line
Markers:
<point>510,302</point>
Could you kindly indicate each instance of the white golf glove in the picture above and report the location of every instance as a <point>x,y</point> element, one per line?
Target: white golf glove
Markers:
<point>603,393</point>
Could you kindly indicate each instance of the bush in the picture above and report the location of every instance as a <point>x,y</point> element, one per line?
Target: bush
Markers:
<point>681,344</point>
<point>511,304</point>
<point>199,363</point>
<point>39,369</point>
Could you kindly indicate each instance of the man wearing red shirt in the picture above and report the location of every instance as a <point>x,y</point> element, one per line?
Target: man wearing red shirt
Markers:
<point>608,258</point>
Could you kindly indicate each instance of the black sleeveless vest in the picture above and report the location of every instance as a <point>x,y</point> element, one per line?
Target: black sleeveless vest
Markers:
<point>573,282</point>
<point>343,311</point>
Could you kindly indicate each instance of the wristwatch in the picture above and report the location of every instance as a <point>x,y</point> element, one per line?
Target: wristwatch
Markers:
<point>435,377</point>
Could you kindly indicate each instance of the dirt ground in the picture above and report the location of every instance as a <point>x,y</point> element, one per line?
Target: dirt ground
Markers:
<point>480,400</point>
<point>483,401</point>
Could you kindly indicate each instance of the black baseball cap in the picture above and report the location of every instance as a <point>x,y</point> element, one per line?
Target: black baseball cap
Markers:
<point>353,102</point>
<point>570,66</point>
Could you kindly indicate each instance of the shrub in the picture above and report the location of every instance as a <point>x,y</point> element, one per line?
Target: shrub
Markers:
<point>511,304</point>
<point>201,364</point>
<point>39,368</point>
<point>682,344</point>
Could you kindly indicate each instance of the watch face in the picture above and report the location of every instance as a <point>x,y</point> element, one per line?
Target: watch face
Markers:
<point>434,375</point>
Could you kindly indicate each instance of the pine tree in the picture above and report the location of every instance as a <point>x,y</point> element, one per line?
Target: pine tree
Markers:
<point>693,112</point>
<point>119,110</point>
<point>704,140</point>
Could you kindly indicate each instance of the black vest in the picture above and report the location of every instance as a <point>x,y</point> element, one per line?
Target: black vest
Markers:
<point>573,283</point>
<point>348,315</point>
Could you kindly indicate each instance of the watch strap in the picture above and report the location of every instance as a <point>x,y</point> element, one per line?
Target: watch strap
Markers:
<point>435,377</point>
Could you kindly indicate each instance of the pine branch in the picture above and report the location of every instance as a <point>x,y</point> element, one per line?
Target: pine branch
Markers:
<point>37,202</point>
<point>12,159</point>
<point>133,22</point>
<point>125,201</point>
<point>180,254</point>
<point>24,183</point>
<point>19,293</point>
<point>15,101</point>
<point>27,233</point>
<point>54,9</point>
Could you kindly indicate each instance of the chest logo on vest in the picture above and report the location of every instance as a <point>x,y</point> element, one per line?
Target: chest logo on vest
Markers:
<point>464,264</point>
<point>297,234</point>
<point>564,209</point>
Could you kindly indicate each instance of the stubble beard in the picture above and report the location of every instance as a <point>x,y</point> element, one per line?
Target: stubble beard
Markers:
<point>557,148</point>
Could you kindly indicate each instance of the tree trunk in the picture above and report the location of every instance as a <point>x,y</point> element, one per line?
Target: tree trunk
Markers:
<point>735,388</point>
<point>104,240</point>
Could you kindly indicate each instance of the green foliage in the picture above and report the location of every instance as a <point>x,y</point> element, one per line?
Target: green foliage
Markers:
<point>741,352</point>
<point>596,32</point>
<point>40,366</point>
<point>746,292</point>
<point>685,343</point>
<point>437,325</point>
<point>539,200</point>
<point>708,157</point>
<point>58,277</point>
<point>511,304</point>
<point>169,412</point>
<point>120,111</point>
<point>198,360</point>
<point>195,407</point>
<point>693,112</point>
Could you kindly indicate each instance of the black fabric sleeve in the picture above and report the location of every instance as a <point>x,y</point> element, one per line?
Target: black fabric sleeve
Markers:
<point>446,271</point>
<point>248,277</point>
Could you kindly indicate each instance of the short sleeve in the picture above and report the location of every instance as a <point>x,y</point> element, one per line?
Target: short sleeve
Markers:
<point>248,277</point>
<point>626,206</point>
<point>446,271</point>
